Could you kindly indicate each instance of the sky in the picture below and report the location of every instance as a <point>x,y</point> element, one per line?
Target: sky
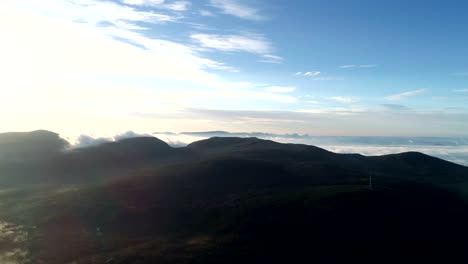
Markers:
<point>347,68</point>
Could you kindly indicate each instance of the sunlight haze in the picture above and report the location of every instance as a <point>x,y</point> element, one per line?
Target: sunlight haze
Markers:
<point>105,67</point>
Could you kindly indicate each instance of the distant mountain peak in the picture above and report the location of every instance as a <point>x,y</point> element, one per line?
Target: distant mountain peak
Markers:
<point>136,145</point>
<point>226,142</point>
<point>30,144</point>
<point>141,140</point>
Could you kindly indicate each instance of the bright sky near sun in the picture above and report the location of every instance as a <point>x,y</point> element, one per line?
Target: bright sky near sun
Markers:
<point>97,67</point>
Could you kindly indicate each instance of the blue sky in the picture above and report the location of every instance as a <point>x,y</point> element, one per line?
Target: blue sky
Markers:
<point>383,68</point>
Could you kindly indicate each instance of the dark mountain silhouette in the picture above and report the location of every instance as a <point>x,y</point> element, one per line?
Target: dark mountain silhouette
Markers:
<point>30,145</point>
<point>237,200</point>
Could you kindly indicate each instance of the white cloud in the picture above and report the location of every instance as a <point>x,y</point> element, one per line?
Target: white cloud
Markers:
<point>404,95</point>
<point>315,73</point>
<point>251,43</point>
<point>458,154</point>
<point>143,2</point>
<point>93,11</point>
<point>268,58</point>
<point>56,43</point>
<point>80,77</point>
<point>206,13</point>
<point>309,73</point>
<point>461,90</point>
<point>348,66</point>
<point>351,121</point>
<point>234,8</point>
<point>162,4</point>
<point>178,5</point>
<point>344,99</point>
<point>281,89</point>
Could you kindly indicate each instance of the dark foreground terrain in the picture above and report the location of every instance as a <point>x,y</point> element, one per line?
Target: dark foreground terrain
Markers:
<point>225,200</point>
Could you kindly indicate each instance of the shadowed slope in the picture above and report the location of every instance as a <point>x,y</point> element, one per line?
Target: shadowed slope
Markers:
<point>239,200</point>
<point>30,145</point>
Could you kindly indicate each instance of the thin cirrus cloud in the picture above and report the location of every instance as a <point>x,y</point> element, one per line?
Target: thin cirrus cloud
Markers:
<point>343,99</point>
<point>249,43</point>
<point>309,73</point>
<point>174,6</point>
<point>178,6</point>
<point>94,12</point>
<point>206,13</point>
<point>461,90</point>
<point>143,2</point>
<point>404,95</point>
<point>269,58</point>
<point>55,51</point>
<point>237,9</point>
<point>357,121</point>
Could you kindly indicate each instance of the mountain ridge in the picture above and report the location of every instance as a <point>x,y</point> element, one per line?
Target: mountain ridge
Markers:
<point>233,200</point>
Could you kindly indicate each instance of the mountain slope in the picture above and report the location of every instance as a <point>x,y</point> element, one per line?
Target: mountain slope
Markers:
<point>30,145</point>
<point>238,200</point>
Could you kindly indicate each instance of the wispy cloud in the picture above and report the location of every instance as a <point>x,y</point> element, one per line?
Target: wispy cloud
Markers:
<point>250,43</point>
<point>268,58</point>
<point>72,66</point>
<point>348,66</point>
<point>234,8</point>
<point>351,66</point>
<point>404,95</point>
<point>318,76</point>
<point>206,13</point>
<point>309,73</point>
<point>143,2</point>
<point>161,4</point>
<point>93,12</point>
<point>333,121</point>
<point>178,6</point>
<point>343,99</point>
<point>281,89</point>
<point>461,90</point>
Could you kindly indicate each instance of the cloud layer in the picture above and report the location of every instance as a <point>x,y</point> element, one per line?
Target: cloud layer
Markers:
<point>237,9</point>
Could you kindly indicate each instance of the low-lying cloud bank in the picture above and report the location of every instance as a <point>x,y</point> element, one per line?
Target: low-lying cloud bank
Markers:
<point>85,141</point>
